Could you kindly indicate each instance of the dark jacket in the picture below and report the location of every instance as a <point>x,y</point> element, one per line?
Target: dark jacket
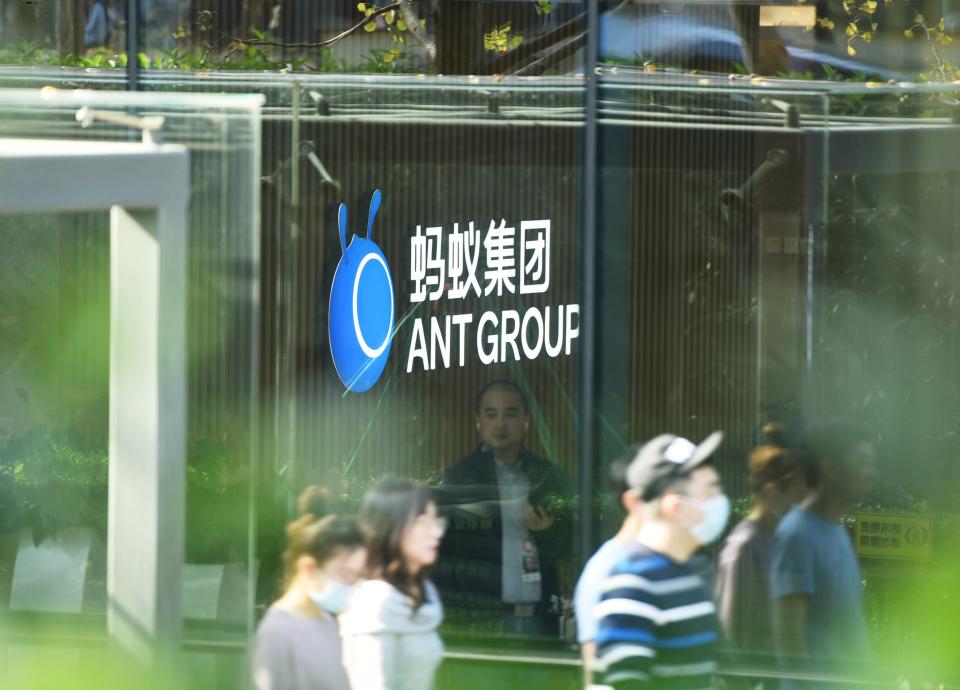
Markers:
<point>471,555</point>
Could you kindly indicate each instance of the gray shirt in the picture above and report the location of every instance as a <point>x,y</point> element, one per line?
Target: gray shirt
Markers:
<point>814,557</point>
<point>294,653</point>
<point>743,588</point>
<point>520,584</point>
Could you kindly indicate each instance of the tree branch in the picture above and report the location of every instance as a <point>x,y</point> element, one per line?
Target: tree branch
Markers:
<point>322,44</point>
<point>413,26</point>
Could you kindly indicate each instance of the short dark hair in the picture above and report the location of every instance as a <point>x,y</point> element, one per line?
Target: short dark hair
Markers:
<point>832,440</point>
<point>617,480</point>
<point>501,383</point>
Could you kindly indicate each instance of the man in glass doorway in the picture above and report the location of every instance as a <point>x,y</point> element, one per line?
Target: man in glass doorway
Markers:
<point>508,526</point>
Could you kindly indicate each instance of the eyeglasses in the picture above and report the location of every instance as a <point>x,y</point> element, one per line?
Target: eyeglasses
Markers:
<point>425,522</point>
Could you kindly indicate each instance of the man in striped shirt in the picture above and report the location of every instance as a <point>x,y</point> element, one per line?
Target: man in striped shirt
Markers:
<point>658,624</point>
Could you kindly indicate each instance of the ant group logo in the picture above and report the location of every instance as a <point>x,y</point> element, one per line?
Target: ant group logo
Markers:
<point>361,307</point>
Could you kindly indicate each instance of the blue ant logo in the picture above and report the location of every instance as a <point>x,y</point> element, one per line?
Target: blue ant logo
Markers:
<point>361,307</point>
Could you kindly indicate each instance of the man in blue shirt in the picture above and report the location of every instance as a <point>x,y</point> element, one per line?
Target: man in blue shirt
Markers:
<point>96,30</point>
<point>815,577</point>
<point>658,624</point>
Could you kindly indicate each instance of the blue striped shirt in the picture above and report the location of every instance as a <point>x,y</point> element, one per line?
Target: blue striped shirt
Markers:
<point>658,626</point>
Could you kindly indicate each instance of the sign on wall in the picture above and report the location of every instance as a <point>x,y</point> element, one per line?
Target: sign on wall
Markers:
<point>507,260</point>
<point>888,535</point>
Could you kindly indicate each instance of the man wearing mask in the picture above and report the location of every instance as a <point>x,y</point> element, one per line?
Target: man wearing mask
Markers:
<point>506,532</point>
<point>658,623</point>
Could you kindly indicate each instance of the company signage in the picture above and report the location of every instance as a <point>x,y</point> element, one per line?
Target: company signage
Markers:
<point>886,535</point>
<point>361,306</point>
<point>507,259</point>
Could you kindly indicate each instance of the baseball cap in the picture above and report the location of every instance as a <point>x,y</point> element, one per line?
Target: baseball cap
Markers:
<point>666,458</point>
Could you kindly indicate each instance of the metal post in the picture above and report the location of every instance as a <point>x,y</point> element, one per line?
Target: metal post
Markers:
<point>588,287</point>
<point>133,45</point>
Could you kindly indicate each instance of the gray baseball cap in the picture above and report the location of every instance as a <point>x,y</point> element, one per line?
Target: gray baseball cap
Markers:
<point>666,458</point>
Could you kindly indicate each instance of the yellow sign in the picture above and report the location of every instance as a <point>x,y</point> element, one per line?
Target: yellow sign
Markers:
<point>888,535</point>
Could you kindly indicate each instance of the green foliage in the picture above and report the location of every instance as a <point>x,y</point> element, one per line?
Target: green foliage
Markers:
<point>543,6</point>
<point>51,484</point>
<point>500,40</point>
<point>384,60</point>
<point>861,26</point>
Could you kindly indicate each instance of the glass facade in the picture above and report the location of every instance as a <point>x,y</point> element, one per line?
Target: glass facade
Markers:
<point>647,239</point>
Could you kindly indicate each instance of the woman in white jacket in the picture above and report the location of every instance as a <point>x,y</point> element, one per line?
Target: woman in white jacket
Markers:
<point>390,639</point>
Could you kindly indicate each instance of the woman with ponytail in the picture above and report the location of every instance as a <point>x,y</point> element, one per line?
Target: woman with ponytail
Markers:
<point>390,630</point>
<point>297,646</point>
<point>744,606</point>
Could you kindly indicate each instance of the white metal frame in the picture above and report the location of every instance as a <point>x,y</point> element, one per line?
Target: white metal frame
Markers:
<point>146,188</point>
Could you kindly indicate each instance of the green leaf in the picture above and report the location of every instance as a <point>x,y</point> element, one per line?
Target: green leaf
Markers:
<point>362,6</point>
<point>370,27</point>
<point>515,41</point>
<point>389,17</point>
<point>401,25</point>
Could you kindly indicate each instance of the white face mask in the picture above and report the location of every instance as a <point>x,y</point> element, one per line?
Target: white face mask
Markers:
<point>333,598</point>
<point>716,512</point>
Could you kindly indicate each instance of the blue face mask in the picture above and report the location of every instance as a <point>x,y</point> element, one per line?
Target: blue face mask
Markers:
<point>332,598</point>
<point>716,512</point>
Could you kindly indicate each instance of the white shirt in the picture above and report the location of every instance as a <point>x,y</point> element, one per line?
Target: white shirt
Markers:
<point>589,587</point>
<point>386,644</point>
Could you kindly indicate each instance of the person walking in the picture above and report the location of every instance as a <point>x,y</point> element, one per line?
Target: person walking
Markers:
<point>744,602</point>
<point>819,617</point>
<point>587,593</point>
<point>297,644</point>
<point>389,631</point>
<point>658,624</point>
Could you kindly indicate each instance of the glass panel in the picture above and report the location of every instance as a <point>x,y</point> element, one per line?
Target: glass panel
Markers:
<point>884,336</point>
<point>786,262</point>
<point>55,340</point>
<point>769,251</point>
<point>53,435</point>
<point>695,181</point>
<point>452,159</point>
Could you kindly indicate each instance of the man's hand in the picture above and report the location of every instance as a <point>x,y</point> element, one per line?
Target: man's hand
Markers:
<point>537,519</point>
